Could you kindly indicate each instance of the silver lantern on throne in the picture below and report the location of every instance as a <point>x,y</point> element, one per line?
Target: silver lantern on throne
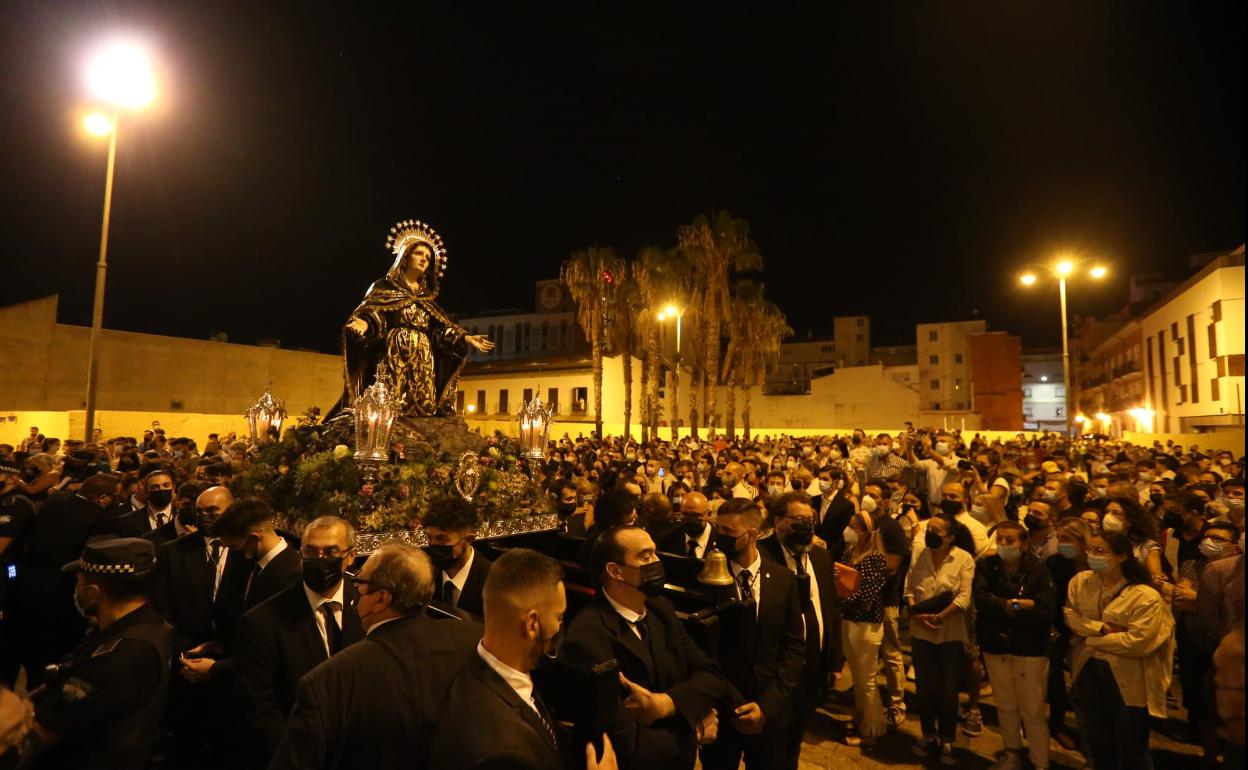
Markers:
<point>265,417</point>
<point>535,429</point>
<point>374,411</point>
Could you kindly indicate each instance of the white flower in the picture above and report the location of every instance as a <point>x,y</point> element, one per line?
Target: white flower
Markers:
<point>341,451</point>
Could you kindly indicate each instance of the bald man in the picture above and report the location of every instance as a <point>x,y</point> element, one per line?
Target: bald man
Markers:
<point>733,477</point>
<point>189,570</point>
<point>694,535</point>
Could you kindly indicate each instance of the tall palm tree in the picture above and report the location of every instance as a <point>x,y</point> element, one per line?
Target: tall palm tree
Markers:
<point>744,304</point>
<point>717,246</point>
<point>664,278</point>
<point>590,275</point>
<point>622,309</point>
<point>769,329</point>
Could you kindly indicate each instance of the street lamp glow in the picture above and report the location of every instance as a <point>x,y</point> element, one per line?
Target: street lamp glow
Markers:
<point>97,123</point>
<point>1097,272</point>
<point>1027,278</point>
<point>1103,417</point>
<point>121,75</point>
<point>1065,267</point>
<point>671,311</point>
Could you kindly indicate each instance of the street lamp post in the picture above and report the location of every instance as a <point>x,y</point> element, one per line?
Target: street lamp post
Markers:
<point>671,311</point>
<point>120,76</point>
<point>1059,271</point>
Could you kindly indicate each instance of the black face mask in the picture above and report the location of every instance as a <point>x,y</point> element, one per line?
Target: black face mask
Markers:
<point>951,507</point>
<point>653,576</point>
<point>694,527</point>
<point>442,556</point>
<point>186,515</point>
<point>1156,499</point>
<point>1034,523</point>
<point>727,544</point>
<point>160,498</point>
<point>933,541</point>
<point>1172,520</point>
<point>205,522</point>
<point>801,533</point>
<point>322,573</point>
<point>564,510</point>
<point>30,474</point>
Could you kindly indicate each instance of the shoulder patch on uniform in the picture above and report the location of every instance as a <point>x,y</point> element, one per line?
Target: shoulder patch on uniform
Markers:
<point>76,689</point>
<point>106,648</point>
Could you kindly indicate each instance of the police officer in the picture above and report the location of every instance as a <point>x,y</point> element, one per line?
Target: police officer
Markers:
<point>102,705</point>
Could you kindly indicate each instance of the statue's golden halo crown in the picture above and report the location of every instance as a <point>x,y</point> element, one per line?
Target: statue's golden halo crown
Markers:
<point>411,231</point>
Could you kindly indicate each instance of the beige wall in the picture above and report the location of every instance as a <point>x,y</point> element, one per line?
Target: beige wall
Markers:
<point>952,340</point>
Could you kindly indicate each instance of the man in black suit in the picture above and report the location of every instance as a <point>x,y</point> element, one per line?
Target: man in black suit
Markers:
<point>374,704</point>
<point>286,636</point>
<point>493,717</point>
<point>157,510</point>
<point>693,538</point>
<point>183,520</point>
<point>44,603</point>
<point>832,508</point>
<point>459,569</point>
<point>762,647</point>
<point>792,546</point>
<point>673,685</point>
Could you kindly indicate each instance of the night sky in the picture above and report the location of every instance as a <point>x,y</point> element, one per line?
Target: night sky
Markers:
<point>900,163</point>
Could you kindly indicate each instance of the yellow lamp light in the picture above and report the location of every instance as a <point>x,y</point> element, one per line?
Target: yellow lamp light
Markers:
<point>672,311</point>
<point>1065,267</point>
<point>97,123</point>
<point>1097,272</point>
<point>120,74</point>
<point>1104,418</point>
<point>1027,279</point>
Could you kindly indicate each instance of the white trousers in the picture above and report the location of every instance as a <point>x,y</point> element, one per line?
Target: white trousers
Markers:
<point>861,643</point>
<point>1019,686</point>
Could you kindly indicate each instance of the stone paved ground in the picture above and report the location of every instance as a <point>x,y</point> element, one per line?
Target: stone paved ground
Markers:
<point>823,747</point>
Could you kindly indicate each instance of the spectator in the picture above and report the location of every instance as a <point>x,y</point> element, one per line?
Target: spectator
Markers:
<point>1073,537</point>
<point>862,625</point>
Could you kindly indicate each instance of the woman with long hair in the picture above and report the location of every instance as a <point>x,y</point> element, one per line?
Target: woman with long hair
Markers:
<point>1121,653</point>
<point>1126,515</point>
<point>862,625</point>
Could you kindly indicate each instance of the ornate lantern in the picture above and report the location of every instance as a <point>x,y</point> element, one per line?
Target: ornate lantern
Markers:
<point>374,416</point>
<point>534,428</point>
<point>264,416</point>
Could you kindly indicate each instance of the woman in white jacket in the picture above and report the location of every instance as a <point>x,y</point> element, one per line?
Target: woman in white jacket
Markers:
<point>1121,651</point>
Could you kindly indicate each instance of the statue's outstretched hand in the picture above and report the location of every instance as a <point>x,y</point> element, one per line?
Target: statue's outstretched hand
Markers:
<point>358,325</point>
<point>480,342</point>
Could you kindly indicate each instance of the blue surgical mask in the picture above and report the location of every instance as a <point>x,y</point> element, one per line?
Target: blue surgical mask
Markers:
<point>1068,550</point>
<point>1098,564</point>
<point>1008,553</point>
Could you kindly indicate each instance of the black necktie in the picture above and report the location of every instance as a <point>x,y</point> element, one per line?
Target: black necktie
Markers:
<point>161,518</point>
<point>747,589</point>
<point>642,630</point>
<point>251,578</point>
<point>214,556</point>
<point>693,549</point>
<point>814,640</point>
<point>333,632</point>
<point>450,594</point>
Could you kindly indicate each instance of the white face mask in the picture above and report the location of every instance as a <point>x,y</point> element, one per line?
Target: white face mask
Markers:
<point>979,512</point>
<point>836,454</point>
<point>850,536</point>
<point>826,486</point>
<point>868,504</point>
<point>1112,523</point>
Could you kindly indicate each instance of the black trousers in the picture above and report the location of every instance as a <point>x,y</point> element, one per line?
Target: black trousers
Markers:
<point>936,671</point>
<point>1115,733</point>
<point>1059,700</point>
<point>765,751</point>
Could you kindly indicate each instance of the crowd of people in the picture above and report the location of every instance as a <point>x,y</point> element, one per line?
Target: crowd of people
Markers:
<point>152,619</point>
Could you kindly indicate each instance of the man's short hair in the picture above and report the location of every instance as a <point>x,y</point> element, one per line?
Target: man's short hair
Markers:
<point>781,507</point>
<point>99,484</point>
<point>614,507</point>
<point>608,548</point>
<point>740,506</point>
<point>515,578</point>
<point>329,522</point>
<point>450,513</point>
<point>1010,526</point>
<point>220,469</point>
<point>121,587</point>
<point>406,572</point>
<point>246,515</point>
<point>158,471</point>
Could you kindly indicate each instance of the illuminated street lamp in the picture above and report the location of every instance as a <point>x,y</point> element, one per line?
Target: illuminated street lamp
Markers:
<point>1060,270</point>
<point>672,311</point>
<point>120,76</point>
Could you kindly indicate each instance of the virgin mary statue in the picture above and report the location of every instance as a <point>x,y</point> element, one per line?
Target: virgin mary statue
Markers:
<point>398,332</point>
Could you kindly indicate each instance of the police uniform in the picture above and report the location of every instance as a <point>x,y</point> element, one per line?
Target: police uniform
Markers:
<point>105,700</point>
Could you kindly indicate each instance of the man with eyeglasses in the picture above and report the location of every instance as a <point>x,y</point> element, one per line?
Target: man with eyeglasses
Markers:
<point>459,569</point>
<point>291,633</point>
<point>374,704</point>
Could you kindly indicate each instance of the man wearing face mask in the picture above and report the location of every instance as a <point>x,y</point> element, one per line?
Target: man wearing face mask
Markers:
<point>1038,518</point>
<point>793,546</point>
<point>44,609</point>
<point>102,705</point>
<point>288,635</point>
<point>459,569</point>
<point>568,509</point>
<point>671,684</point>
<point>694,536</point>
<point>183,520</point>
<point>939,461</point>
<point>884,463</point>
<point>1015,601</point>
<point>832,508</point>
<point>157,510</point>
<point>1057,495</point>
<point>762,649</point>
<point>376,703</point>
<point>952,504</point>
<point>733,478</point>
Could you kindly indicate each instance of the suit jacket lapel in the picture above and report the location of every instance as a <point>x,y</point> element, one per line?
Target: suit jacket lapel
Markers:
<point>522,710</point>
<point>618,627</point>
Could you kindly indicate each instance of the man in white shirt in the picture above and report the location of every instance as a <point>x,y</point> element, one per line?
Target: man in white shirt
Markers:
<point>733,477</point>
<point>459,569</point>
<point>693,537</point>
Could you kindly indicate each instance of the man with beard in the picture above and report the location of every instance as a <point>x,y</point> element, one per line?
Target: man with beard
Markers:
<point>459,569</point>
<point>288,635</point>
<point>375,704</point>
<point>792,545</point>
<point>671,684</point>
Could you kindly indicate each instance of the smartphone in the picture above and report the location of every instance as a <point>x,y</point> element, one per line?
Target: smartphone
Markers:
<point>662,473</point>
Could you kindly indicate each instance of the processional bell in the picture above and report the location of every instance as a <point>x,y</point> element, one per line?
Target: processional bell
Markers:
<point>715,570</point>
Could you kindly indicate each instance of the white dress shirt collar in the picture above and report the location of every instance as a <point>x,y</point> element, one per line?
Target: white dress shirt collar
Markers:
<point>632,618</point>
<point>273,552</point>
<point>461,577</point>
<point>519,681</point>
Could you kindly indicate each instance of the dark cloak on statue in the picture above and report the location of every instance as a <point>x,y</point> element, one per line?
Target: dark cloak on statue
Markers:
<point>423,350</point>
